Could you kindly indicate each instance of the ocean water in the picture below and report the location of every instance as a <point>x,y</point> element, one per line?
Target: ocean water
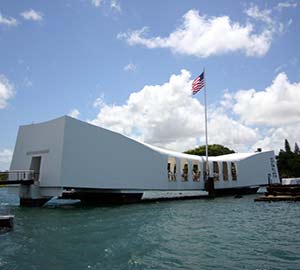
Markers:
<point>224,233</point>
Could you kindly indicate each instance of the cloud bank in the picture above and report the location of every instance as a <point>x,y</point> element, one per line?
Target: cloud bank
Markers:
<point>203,36</point>
<point>277,105</point>
<point>168,116</point>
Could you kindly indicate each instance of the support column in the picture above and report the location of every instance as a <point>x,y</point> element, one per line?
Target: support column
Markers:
<point>30,195</point>
<point>210,187</point>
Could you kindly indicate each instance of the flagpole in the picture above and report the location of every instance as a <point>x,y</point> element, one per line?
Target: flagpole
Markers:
<point>206,140</point>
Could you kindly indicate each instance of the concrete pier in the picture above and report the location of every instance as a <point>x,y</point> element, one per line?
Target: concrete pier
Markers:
<point>30,195</point>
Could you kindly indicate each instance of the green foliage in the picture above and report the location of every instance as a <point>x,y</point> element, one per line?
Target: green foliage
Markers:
<point>296,151</point>
<point>287,146</point>
<point>213,150</point>
<point>3,176</point>
<point>288,162</point>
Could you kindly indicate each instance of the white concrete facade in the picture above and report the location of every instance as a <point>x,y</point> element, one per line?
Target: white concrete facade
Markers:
<point>76,154</point>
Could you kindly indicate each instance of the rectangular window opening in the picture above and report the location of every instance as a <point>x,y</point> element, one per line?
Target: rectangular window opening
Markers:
<point>184,170</point>
<point>225,171</point>
<point>216,170</point>
<point>196,173</point>
<point>171,169</point>
<point>233,171</point>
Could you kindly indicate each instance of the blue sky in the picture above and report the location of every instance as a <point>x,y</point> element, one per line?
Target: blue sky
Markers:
<point>128,66</point>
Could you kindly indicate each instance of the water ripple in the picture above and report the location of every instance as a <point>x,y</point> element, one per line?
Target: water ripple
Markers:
<point>197,234</point>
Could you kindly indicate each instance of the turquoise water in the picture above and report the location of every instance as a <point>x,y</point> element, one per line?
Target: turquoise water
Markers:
<point>223,233</point>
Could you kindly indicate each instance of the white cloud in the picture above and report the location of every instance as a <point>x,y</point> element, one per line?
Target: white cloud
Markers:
<point>96,3</point>
<point>74,113</point>
<point>274,138</point>
<point>258,14</point>
<point>115,5</point>
<point>168,116</point>
<point>265,16</point>
<point>231,133</point>
<point>204,36</point>
<point>8,21</point>
<point>99,102</point>
<point>32,15</point>
<point>284,5</point>
<point>274,111</point>
<point>278,104</point>
<point>5,159</point>
<point>227,101</point>
<point>130,67</point>
<point>157,114</point>
<point>6,91</point>
<point>110,4</point>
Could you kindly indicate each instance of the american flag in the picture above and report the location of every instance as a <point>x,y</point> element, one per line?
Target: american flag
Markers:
<point>198,83</point>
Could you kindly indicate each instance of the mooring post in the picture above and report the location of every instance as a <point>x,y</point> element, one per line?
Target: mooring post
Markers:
<point>210,187</point>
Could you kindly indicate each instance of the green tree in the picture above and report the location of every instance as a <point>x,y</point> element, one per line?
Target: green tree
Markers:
<point>288,162</point>
<point>296,149</point>
<point>213,150</point>
<point>3,176</point>
<point>287,146</point>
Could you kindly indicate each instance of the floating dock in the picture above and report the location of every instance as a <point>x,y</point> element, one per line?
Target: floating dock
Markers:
<point>280,193</point>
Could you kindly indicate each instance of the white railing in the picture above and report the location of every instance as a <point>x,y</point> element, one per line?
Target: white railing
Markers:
<point>19,175</point>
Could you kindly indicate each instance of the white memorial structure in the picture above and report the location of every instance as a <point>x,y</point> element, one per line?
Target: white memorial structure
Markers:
<point>71,158</point>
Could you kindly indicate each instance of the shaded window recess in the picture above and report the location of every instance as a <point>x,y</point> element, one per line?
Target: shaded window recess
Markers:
<point>171,169</point>
<point>216,170</point>
<point>233,171</point>
<point>196,173</point>
<point>184,170</point>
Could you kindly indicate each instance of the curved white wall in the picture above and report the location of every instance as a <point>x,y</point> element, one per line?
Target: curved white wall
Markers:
<point>79,155</point>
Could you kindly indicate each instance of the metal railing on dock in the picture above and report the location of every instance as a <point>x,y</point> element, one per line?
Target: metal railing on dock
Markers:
<point>18,177</point>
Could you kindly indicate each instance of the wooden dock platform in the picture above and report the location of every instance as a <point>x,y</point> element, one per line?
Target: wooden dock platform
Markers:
<point>280,193</point>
